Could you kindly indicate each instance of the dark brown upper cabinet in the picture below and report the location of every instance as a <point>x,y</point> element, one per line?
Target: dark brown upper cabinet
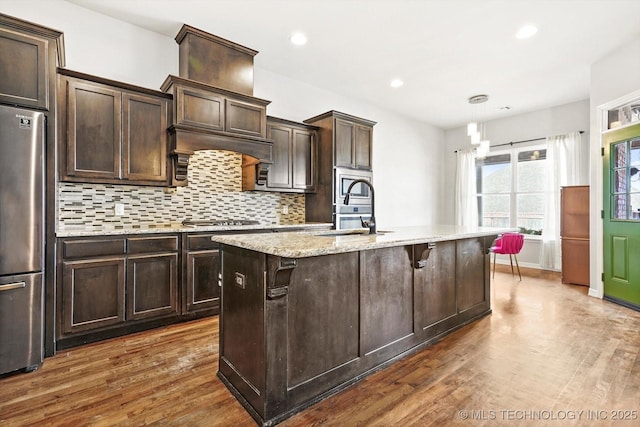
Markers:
<point>210,108</point>
<point>353,144</point>
<point>349,140</point>
<point>209,59</point>
<point>28,56</point>
<point>294,158</point>
<point>112,132</point>
<point>144,137</point>
<point>344,141</point>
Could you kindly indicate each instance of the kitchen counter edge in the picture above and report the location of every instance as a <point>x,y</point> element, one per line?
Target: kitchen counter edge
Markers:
<point>316,243</point>
<point>179,228</point>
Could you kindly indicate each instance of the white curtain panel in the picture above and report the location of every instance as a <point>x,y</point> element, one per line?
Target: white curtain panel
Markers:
<point>565,157</point>
<point>466,199</point>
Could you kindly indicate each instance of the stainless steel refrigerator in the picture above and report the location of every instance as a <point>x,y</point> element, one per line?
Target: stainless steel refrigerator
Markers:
<point>21,238</point>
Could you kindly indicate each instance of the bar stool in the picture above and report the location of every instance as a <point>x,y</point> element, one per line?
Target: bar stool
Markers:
<point>508,244</point>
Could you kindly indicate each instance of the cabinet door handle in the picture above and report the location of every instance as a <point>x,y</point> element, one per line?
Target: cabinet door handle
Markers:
<point>10,286</point>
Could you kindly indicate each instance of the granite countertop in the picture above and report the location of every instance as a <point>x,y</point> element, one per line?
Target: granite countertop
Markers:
<point>314,243</point>
<point>177,227</point>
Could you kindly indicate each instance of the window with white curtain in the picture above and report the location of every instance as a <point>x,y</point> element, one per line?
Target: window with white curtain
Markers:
<point>510,186</point>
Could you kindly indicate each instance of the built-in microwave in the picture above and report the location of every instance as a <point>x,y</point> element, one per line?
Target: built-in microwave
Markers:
<point>360,194</point>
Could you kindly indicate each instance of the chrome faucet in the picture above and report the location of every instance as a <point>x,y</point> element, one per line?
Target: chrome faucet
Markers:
<point>371,224</point>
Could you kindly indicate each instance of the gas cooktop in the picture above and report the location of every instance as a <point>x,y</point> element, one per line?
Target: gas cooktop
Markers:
<point>219,222</point>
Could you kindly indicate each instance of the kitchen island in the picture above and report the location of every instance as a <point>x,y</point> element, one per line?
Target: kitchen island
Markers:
<point>306,314</point>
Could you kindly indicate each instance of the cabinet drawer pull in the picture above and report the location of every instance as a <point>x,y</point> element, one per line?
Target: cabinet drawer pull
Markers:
<point>10,286</point>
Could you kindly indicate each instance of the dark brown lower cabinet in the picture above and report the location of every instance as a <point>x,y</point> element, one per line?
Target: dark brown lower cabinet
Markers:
<point>111,286</point>
<point>152,286</point>
<point>93,294</point>
<point>202,290</point>
<point>293,331</point>
<point>108,286</point>
<point>200,274</point>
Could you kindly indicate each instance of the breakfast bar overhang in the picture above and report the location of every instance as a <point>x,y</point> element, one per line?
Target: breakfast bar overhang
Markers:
<point>306,314</point>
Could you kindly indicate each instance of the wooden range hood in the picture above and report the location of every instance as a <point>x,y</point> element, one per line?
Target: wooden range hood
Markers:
<point>213,103</point>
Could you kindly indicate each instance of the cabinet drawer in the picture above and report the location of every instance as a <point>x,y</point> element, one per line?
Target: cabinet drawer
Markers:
<point>138,245</point>
<point>201,241</point>
<point>92,248</point>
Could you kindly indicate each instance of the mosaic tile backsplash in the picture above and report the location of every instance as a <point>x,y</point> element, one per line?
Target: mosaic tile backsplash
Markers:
<point>214,192</point>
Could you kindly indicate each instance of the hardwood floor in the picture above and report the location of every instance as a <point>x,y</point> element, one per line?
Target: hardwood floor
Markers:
<point>547,352</point>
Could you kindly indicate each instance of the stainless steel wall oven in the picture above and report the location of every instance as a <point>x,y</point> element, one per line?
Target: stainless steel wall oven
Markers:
<point>348,216</point>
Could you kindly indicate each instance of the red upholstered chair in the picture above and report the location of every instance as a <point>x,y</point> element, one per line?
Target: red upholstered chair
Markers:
<point>508,244</point>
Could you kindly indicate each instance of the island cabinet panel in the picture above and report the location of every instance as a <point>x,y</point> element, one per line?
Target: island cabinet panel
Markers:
<point>329,311</point>
<point>435,285</point>
<point>386,297</point>
<point>470,271</point>
<point>242,327</point>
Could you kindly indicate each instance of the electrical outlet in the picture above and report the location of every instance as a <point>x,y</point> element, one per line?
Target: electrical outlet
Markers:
<point>119,209</point>
<point>285,209</point>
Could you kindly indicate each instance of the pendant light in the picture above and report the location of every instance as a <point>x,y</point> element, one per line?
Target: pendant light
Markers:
<point>476,129</point>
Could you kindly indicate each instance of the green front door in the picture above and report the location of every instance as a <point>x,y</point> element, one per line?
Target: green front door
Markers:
<point>622,215</point>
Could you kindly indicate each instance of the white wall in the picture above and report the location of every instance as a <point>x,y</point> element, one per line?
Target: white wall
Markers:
<point>537,124</point>
<point>612,78</point>
<point>406,154</point>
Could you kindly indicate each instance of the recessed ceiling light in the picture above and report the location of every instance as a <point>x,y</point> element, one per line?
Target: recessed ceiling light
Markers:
<point>396,83</point>
<point>298,39</point>
<point>526,32</point>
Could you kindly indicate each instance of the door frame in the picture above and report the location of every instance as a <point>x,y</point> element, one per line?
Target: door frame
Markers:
<point>596,223</point>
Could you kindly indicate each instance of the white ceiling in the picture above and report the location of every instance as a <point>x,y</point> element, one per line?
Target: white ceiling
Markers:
<point>444,50</point>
